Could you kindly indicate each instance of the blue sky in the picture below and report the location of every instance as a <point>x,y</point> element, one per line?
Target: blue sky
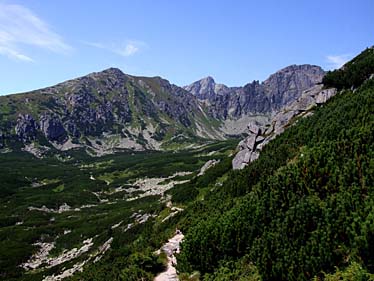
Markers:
<point>44,42</point>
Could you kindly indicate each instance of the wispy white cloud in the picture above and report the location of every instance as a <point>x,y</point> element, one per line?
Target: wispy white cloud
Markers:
<point>337,61</point>
<point>129,48</point>
<point>20,27</point>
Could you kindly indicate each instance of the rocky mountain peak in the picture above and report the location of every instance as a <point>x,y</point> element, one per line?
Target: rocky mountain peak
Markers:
<point>103,82</point>
<point>110,73</point>
<point>203,89</point>
<point>208,80</point>
<point>113,71</point>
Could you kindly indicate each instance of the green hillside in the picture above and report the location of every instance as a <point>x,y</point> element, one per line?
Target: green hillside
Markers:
<point>305,208</point>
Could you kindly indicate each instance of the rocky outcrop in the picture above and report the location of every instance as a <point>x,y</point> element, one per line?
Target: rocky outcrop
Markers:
<point>301,107</point>
<point>259,136</point>
<point>248,148</point>
<point>26,128</point>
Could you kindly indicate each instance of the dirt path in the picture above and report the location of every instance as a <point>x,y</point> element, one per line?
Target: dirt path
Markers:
<point>169,248</point>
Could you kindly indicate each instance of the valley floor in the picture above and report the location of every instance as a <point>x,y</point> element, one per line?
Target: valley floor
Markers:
<point>71,217</point>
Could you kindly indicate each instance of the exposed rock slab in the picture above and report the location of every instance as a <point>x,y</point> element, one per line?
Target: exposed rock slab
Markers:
<point>259,136</point>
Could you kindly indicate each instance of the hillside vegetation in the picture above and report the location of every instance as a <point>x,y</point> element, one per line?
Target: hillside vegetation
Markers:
<point>305,208</point>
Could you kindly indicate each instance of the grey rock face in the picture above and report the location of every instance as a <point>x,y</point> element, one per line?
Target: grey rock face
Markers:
<point>52,128</point>
<point>310,98</point>
<point>286,85</point>
<point>89,109</point>
<point>323,96</point>
<point>250,147</point>
<point>268,97</point>
<point>26,128</point>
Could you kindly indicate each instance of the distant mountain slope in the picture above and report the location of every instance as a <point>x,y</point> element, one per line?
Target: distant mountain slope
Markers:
<point>279,90</point>
<point>104,111</point>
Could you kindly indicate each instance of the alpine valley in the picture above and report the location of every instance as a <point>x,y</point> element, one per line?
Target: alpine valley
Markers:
<point>112,176</point>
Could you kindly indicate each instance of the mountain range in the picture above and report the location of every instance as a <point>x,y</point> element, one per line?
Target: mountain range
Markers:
<point>110,111</point>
